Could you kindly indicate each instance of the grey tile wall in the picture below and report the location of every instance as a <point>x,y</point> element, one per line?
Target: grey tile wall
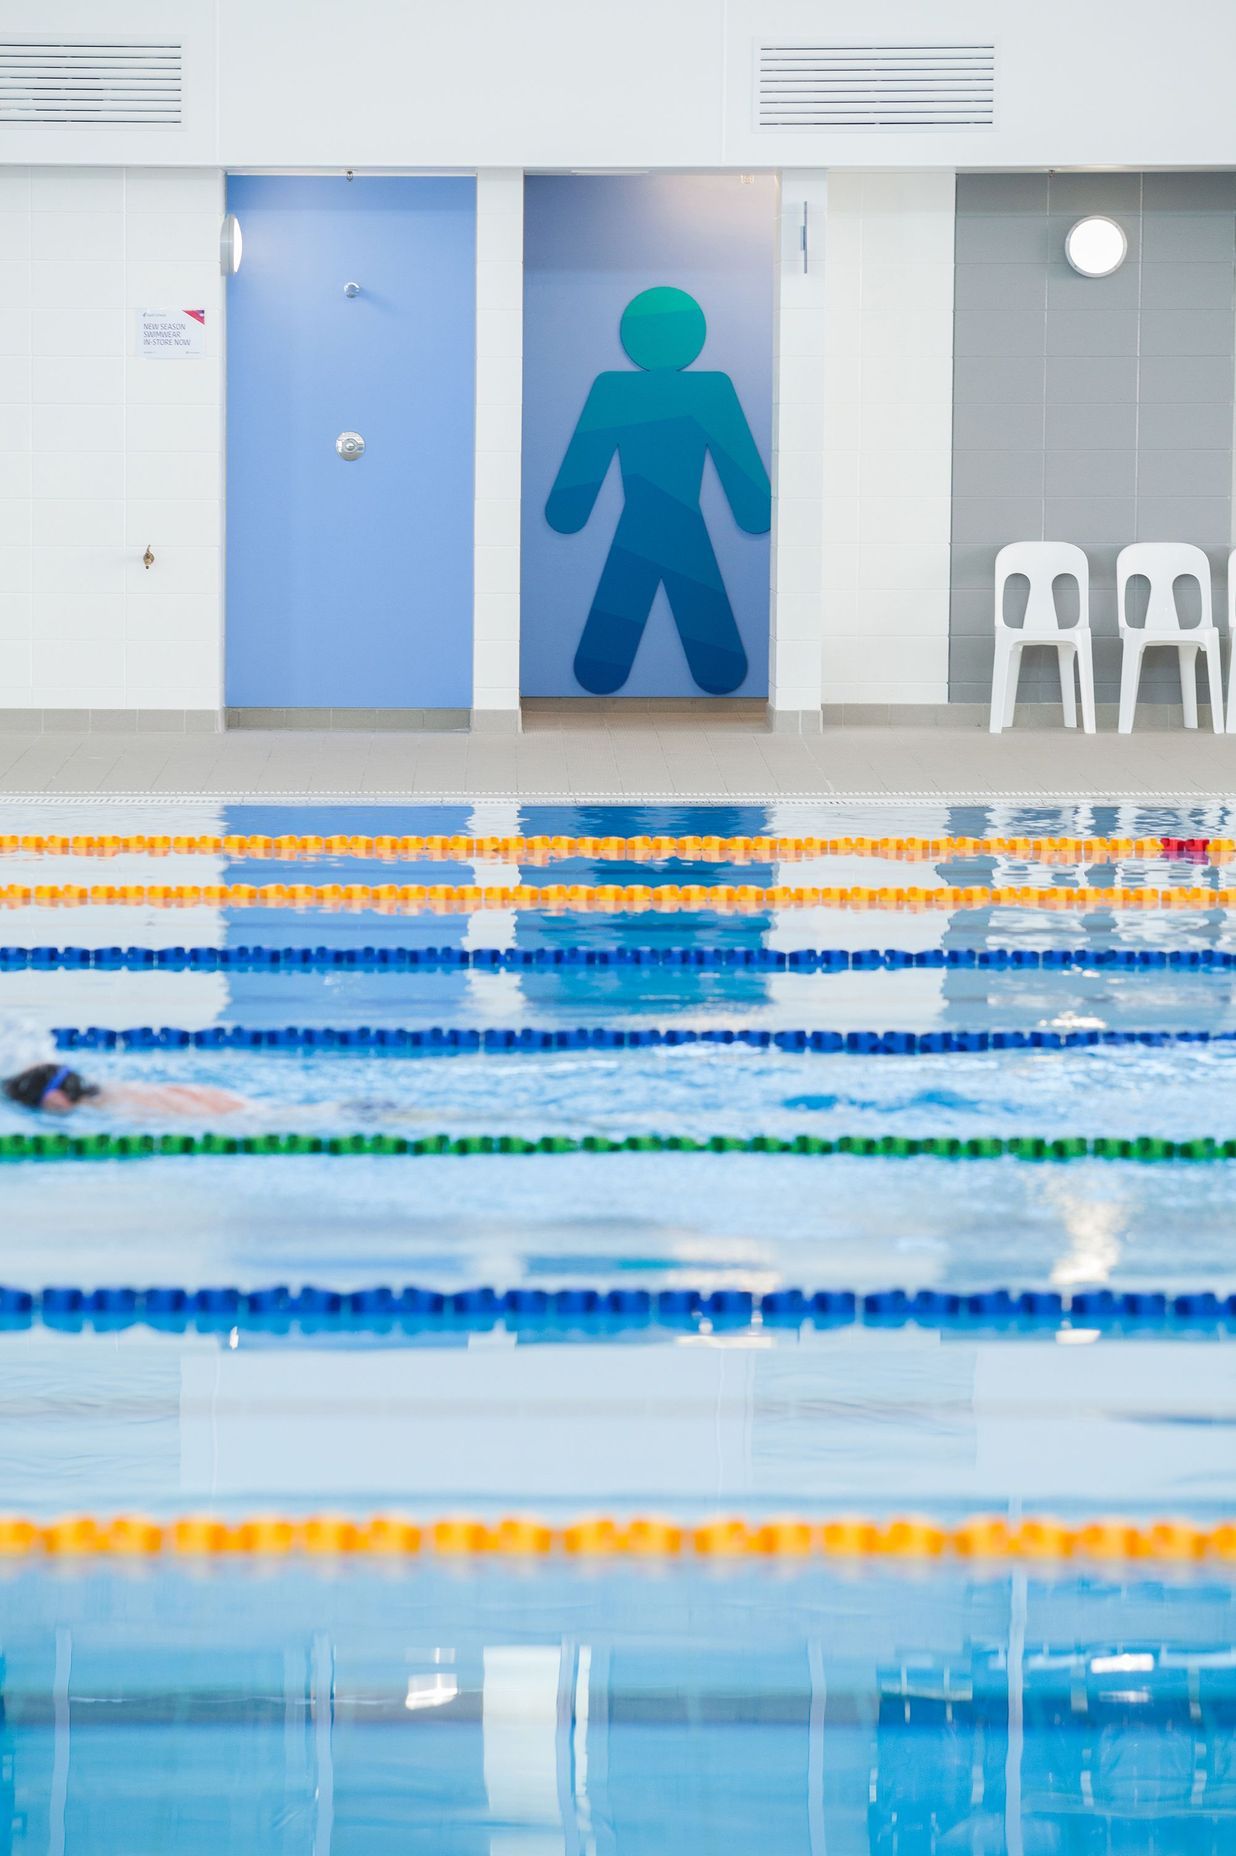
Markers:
<point>1094,410</point>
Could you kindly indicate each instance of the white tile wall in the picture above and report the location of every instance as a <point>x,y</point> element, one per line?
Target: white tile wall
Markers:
<point>800,457</point>
<point>888,424</point>
<point>106,451</point>
<point>499,393</point>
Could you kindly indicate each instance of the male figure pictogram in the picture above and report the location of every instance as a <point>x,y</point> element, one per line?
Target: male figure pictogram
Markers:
<point>662,422</point>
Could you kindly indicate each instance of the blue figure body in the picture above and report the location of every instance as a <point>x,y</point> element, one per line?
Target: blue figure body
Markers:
<point>662,423</point>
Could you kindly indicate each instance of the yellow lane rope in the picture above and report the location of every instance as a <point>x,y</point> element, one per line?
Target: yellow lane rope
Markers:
<point>543,850</point>
<point>981,1537</point>
<point>598,899</point>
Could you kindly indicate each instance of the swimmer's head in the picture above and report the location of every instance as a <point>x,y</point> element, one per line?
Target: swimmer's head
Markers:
<point>662,328</point>
<point>52,1087</point>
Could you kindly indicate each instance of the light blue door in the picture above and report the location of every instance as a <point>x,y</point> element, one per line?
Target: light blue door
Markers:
<point>349,585</point>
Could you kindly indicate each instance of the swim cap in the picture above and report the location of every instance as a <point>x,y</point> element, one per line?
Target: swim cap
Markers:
<point>32,1087</point>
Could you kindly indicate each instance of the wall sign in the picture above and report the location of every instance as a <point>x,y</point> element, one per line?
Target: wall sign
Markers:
<point>661,420</point>
<point>169,334</point>
<point>648,344</point>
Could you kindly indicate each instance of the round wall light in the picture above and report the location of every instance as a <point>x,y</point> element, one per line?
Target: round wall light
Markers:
<point>1096,247</point>
<point>231,245</point>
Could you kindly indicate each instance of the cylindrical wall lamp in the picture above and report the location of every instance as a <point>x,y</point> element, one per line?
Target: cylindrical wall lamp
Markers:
<point>1095,247</point>
<point>231,245</point>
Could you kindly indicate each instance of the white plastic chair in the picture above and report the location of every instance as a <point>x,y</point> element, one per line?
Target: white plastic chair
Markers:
<point>1043,563</point>
<point>1163,563</point>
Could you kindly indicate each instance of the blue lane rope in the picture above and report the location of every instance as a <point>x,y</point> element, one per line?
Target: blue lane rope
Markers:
<point>440,1040</point>
<point>519,959</point>
<point>383,1310</point>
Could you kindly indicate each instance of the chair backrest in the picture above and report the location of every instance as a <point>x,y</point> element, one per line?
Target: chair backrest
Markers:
<point>1162,563</point>
<point>1042,563</point>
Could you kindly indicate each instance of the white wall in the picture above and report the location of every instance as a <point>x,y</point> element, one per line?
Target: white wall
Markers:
<point>107,452</point>
<point>499,438</point>
<point>886,487</point>
<point>410,83</point>
<point>800,446</point>
<point>1121,83</point>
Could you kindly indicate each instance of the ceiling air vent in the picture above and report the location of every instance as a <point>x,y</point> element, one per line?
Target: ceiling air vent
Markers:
<point>88,84</point>
<point>804,86</point>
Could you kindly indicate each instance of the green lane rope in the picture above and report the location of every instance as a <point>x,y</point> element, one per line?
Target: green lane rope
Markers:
<point>1141,1148</point>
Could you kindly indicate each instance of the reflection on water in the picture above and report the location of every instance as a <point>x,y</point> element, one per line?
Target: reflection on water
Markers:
<point>1094,1228</point>
<point>504,1713</point>
<point>835,1420</point>
<point>1101,1747</point>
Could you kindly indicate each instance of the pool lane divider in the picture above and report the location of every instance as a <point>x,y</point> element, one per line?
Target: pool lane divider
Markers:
<point>1142,1148</point>
<point>609,1313</point>
<point>368,959</point>
<point>604,898</point>
<point>493,1041</point>
<point>537,849</point>
<point>990,1537</point>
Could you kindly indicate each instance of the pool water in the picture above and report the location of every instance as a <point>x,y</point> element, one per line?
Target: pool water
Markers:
<point>599,1707</point>
<point>622,1710</point>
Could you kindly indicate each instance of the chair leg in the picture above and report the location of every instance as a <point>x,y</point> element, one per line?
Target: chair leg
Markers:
<point>1003,682</point>
<point>1214,674</point>
<point>1188,683</point>
<point>1064,659</point>
<point>1130,677</point>
<point>1014,678</point>
<point>1085,676</point>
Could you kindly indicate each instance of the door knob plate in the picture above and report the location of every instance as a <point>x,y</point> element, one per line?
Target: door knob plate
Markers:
<point>350,446</point>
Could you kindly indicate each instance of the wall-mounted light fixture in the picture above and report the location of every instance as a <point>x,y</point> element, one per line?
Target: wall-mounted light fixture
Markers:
<point>231,245</point>
<point>1096,247</point>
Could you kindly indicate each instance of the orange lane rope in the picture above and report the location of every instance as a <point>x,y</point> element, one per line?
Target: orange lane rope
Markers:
<point>598,899</point>
<point>543,850</point>
<point>981,1537</point>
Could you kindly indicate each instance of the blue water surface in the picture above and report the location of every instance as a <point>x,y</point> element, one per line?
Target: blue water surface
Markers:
<point>522,1711</point>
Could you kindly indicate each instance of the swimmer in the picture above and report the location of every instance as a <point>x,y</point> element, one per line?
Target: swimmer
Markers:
<point>54,1089</point>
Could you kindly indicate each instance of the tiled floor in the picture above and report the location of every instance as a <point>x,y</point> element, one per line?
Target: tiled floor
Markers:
<point>670,758</point>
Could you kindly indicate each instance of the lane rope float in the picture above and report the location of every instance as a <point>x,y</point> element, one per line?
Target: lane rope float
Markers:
<point>493,1041</point>
<point>599,899</point>
<point>1142,1148</point>
<point>641,1537</point>
<point>412,1309</point>
<point>540,848</point>
<point>516,959</point>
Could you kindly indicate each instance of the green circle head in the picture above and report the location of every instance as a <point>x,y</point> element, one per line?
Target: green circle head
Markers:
<point>663,327</point>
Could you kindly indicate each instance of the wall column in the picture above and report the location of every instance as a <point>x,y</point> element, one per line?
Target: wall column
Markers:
<point>499,409</point>
<point>796,627</point>
<point>888,416</point>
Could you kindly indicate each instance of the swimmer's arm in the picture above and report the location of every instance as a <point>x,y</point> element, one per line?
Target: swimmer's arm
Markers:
<point>582,471</point>
<point>171,1098</point>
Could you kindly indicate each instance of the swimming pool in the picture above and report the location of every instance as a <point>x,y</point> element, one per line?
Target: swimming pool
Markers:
<point>486,1705</point>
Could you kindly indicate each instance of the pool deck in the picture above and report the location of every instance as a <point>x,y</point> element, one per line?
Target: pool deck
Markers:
<point>665,760</point>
